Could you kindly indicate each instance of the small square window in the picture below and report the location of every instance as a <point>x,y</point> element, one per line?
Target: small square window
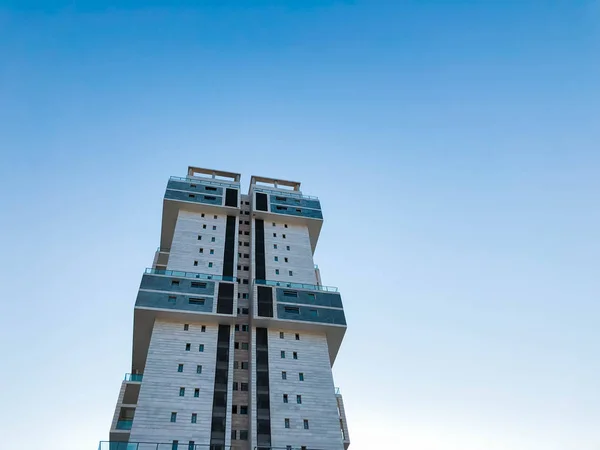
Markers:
<point>283,353</point>
<point>203,329</point>
<point>199,237</point>
<point>244,346</point>
<point>236,364</point>
<point>305,424</point>
<point>288,447</point>
<point>295,355</point>
<point>281,335</point>
<point>186,327</point>
<point>236,345</point>
<point>301,376</point>
<point>233,409</point>
<point>172,299</point>
<point>215,217</point>
<point>287,423</point>
<point>237,328</point>
<point>298,399</point>
<point>210,264</point>
<point>274,234</point>
<point>200,250</point>
<point>290,273</point>
<point>285,225</point>
<point>245,365</point>
<point>182,392</point>
<point>214,227</point>
<point>212,239</point>
<point>276,271</point>
<point>191,195</point>
<point>283,236</point>
<point>244,327</point>
<point>194,417</point>
<point>174,282</point>
<point>188,347</point>
<point>284,375</point>
<point>212,252</point>
<point>173,417</point>
<point>180,368</point>
<point>273,223</point>
<point>175,444</point>
<point>313,312</point>
<point>234,435</point>
<point>204,226</point>
<point>243,409</point>
<point>198,369</point>
<point>246,255</point>
<point>246,244</point>
<point>244,387</point>
<point>286,260</point>
<point>201,348</point>
<point>244,311</point>
<point>287,247</point>
<point>243,435</point>
<point>275,246</point>
<point>276,258</point>
<point>297,337</point>
<point>244,280</point>
<point>285,398</point>
<point>239,255</point>
<point>202,215</point>
<point>195,263</point>
<point>235,385</point>
<point>197,392</point>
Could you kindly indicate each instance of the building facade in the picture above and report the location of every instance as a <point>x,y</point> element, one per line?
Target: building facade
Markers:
<point>234,335</point>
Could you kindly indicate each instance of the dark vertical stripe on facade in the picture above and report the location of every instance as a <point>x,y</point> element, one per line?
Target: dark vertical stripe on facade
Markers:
<point>231,197</point>
<point>263,410</point>
<point>259,249</point>
<point>261,202</point>
<point>225,298</point>
<point>219,412</point>
<point>265,301</point>
<point>229,247</point>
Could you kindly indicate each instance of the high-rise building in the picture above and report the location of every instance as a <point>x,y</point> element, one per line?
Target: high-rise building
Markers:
<point>234,335</point>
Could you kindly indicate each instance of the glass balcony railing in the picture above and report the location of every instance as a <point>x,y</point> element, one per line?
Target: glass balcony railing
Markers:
<point>182,274</point>
<point>284,193</point>
<point>312,287</point>
<point>134,377</point>
<point>206,181</point>
<point>124,424</point>
<point>337,391</point>
<point>108,445</point>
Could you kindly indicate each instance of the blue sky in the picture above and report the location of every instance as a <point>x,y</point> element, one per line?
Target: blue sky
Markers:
<point>455,149</point>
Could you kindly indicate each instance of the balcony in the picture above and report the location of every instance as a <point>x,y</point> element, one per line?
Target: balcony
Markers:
<point>133,377</point>
<point>181,274</point>
<point>124,424</point>
<point>114,445</point>
<point>312,287</point>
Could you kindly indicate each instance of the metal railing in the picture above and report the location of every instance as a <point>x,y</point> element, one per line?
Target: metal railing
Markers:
<point>124,424</point>
<point>274,191</point>
<point>337,391</point>
<point>206,181</point>
<point>182,274</point>
<point>112,445</point>
<point>261,447</point>
<point>284,284</point>
<point>134,377</point>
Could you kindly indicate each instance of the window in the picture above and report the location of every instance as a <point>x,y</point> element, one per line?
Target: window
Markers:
<point>285,260</point>
<point>235,385</point>
<point>234,409</point>
<point>195,284</point>
<point>173,417</point>
<point>287,247</point>
<point>202,215</point>
<point>244,435</point>
<point>233,435</point>
<point>212,252</point>
<point>237,327</point>
<point>236,345</point>
<point>244,327</point>
<point>287,423</point>
<point>290,273</point>
<point>285,398</point>
<point>201,348</point>
<point>283,354</point>
<point>273,223</point>
<point>174,282</point>
<point>243,409</point>
<point>295,355</point>
<point>244,280</point>
<point>281,335</point>
<point>245,365</point>
<point>201,250</point>
<point>246,222</point>
<point>275,246</point>
<point>188,347</point>
<point>298,399</point>
<point>172,299</point>
<point>180,368</point>
<point>204,226</point>
<point>246,255</point>
<point>303,447</point>
<point>290,294</point>
<point>274,234</point>
<point>244,387</point>
<point>283,236</point>
<point>247,213</point>
<point>285,225</point>
<point>313,312</point>
<point>246,233</point>
<point>210,264</point>
<point>301,376</point>
<point>199,237</point>
<point>191,195</point>
<point>198,369</point>
<point>181,392</point>
<point>276,271</point>
<point>191,445</point>
<point>284,375</point>
<point>214,227</point>
<point>197,392</point>
<point>292,310</point>
<point>246,268</point>
<point>212,239</point>
<point>194,417</point>
<point>239,268</point>
<point>245,296</point>
<point>186,327</point>
<point>244,311</point>
<point>195,263</point>
<point>203,329</point>
<point>174,445</point>
<point>196,301</point>
<point>215,217</point>
<point>305,424</point>
<point>246,244</point>
<point>276,258</point>
<point>239,255</point>
<point>244,346</point>
<point>288,447</point>
<point>236,364</point>
<point>297,337</point>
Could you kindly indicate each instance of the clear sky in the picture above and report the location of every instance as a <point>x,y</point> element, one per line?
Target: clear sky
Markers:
<point>455,147</point>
